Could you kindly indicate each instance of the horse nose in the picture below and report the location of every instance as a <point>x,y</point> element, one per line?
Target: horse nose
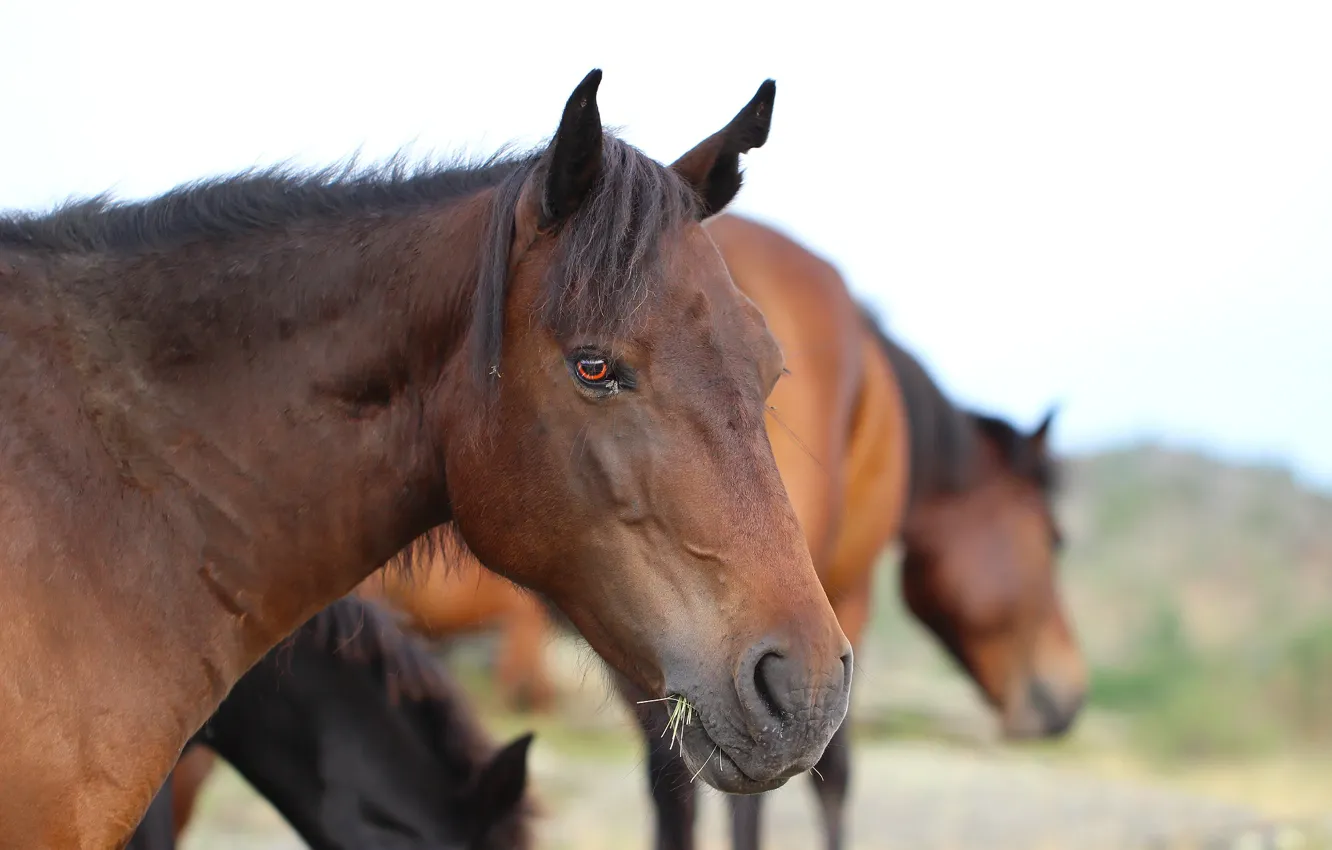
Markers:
<point>1056,715</point>
<point>783,685</point>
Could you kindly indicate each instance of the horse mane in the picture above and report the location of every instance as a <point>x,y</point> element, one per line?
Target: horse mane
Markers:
<point>254,200</point>
<point>368,634</point>
<point>944,436</point>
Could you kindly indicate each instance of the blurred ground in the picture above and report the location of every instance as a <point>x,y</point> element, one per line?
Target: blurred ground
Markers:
<point>1203,595</point>
<point>909,796</point>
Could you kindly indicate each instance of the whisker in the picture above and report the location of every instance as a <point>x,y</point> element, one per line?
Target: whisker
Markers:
<point>772,411</point>
<point>715,748</point>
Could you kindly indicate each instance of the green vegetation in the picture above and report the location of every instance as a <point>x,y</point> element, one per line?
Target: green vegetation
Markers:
<point>1221,580</point>
<point>1184,702</point>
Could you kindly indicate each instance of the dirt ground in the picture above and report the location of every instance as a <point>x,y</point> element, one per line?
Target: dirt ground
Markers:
<point>907,796</point>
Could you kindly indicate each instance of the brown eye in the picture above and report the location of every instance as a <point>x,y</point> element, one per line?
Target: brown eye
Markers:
<point>593,370</point>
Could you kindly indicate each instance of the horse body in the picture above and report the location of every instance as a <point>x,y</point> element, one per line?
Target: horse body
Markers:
<point>838,425</point>
<point>162,486</point>
<point>223,408</point>
<point>90,660</point>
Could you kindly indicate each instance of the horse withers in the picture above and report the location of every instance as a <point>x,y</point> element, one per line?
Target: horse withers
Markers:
<point>222,409</point>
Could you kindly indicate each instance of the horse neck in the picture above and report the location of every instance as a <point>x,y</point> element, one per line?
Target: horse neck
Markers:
<point>942,468</point>
<point>279,407</point>
<point>944,461</point>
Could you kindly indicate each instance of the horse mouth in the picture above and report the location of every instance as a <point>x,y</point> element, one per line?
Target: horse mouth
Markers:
<point>708,760</point>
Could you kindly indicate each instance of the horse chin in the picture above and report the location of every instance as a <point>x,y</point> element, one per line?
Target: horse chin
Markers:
<point>1021,730</point>
<point>708,760</point>
<point>1039,712</point>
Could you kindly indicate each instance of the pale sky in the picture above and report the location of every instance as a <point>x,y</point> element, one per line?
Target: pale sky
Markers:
<point>1125,208</point>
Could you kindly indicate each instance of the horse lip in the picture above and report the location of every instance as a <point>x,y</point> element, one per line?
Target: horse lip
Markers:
<point>714,749</point>
<point>717,748</point>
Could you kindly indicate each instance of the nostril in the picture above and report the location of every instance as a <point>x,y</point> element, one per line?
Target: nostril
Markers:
<point>782,684</point>
<point>766,671</point>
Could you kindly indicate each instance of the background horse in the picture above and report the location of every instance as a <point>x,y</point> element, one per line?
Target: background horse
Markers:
<point>224,408</point>
<point>454,595</point>
<point>870,449</point>
<point>157,830</point>
<point>354,734</point>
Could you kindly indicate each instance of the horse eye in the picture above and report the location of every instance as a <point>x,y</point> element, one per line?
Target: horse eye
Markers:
<point>592,370</point>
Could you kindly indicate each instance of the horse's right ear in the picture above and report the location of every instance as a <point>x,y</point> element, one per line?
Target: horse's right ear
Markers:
<point>713,166</point>
<point>574,157</point>
<point>503,782</point>
<point>1040,437</point>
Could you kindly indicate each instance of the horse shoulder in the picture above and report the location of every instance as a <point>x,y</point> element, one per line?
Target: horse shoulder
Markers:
<point>878,472</point>
<point>809,310</point>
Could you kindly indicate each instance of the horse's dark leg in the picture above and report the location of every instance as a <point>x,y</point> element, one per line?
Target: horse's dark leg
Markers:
<point>157,830</point>
<point>669,780</point>
<point>831,784</point>
<point>672,794</point>
<point>746,812</point>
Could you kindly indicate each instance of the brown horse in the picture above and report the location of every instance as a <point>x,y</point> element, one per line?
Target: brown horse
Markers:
<point>222,409</point>
<point>855,415</point>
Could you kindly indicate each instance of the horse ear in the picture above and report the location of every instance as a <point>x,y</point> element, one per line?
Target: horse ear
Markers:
<point>713,166</point>
<point>503,782</point>
<point>1041,435</point>
<point>574,162</point>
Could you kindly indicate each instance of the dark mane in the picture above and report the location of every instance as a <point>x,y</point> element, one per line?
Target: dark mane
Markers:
<point>227,207</point>
<point>367,634</point>
<point>944,436</point>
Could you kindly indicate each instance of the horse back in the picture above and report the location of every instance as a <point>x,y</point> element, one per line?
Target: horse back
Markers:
<point>813,317</point>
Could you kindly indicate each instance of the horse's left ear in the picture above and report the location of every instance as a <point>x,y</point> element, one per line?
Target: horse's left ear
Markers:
<point>503,782</point>
<point>1041,436</point>
<point>713,166</point>
<point>574,163</point>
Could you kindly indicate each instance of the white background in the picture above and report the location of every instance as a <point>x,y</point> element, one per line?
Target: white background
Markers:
<point>1124,207</point>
